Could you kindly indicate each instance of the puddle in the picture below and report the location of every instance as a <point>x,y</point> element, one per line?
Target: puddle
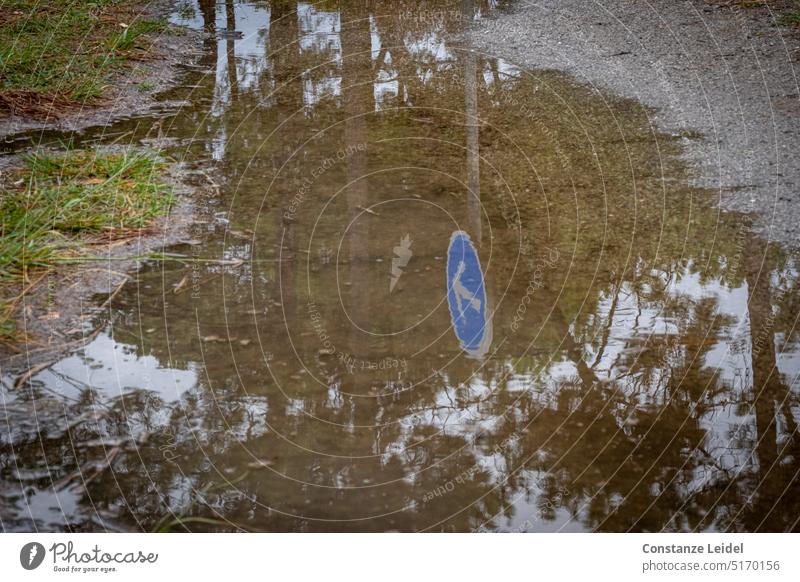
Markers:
<point>434,292</point>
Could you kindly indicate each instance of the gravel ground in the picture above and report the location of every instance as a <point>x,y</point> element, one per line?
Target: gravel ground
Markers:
<point>725,71</point>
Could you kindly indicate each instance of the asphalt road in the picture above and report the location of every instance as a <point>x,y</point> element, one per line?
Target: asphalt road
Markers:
<point>724,71</point>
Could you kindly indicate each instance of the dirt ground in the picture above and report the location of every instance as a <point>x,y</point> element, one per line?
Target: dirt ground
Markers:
<point>723,69</point>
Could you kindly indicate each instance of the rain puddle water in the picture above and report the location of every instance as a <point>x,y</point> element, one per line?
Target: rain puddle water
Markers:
<point>433,292</point>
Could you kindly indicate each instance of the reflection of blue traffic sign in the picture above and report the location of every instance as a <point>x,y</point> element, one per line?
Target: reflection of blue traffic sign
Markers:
<point>466,296</point>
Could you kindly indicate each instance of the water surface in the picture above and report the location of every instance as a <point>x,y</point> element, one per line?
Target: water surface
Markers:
<point>432,291</point>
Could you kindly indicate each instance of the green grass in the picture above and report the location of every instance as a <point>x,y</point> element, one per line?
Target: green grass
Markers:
<point>56,205</point>
<point>789,19</point>
<point>131,37</point>
<point>64,52</point>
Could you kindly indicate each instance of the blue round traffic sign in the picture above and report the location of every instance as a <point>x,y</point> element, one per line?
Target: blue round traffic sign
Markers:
<point>466,296</point>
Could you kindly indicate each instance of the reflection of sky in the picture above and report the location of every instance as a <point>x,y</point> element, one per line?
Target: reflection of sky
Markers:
<point>430,47</point>
<point>386,85</point>
<point>250,52</point>
<point>634,321</point>
<point>729,357</point>
<point>634,318</point>
<point>788,363</point>
<point>52,507</point>
<point>112,369</point>
<point>320,34</point>
<point>320,38</point>
<point>319,31</point>
<point>249,49</point>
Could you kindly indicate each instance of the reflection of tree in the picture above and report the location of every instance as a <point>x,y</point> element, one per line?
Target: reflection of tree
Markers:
<point>472,130</point>
<point>208,10</point>
<point>230,23</point>
<point>772,405</point>
<point>357,104</point>
<point>284,35</point>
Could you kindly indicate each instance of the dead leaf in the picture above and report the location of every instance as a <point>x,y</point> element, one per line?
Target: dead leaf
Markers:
<point>368,210</point>
<point>181,284</point>
<point>260,464</point>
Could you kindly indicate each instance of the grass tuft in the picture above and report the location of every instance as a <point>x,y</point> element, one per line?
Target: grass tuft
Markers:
<point>789,19</point>
<point>59,54</point>
<point>132,36</point>
<point>59,203</point>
